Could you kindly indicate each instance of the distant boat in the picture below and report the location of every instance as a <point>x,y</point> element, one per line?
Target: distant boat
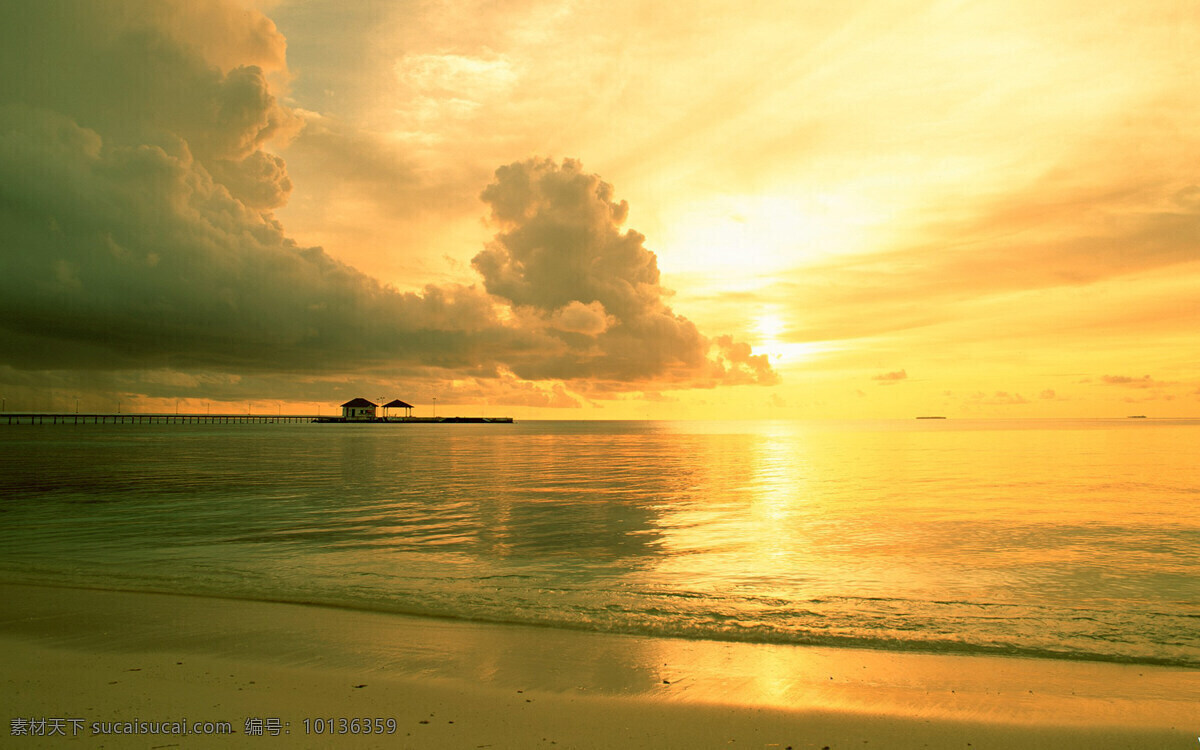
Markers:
<point>1137,416</point>
<point>930,417</point>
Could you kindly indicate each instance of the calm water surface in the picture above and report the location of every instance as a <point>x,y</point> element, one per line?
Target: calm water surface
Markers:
<point>1068,539</point>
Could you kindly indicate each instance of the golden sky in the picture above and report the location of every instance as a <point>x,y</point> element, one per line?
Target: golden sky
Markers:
<point>618,210</point>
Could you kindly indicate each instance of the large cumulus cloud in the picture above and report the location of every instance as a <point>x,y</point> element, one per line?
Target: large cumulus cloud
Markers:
<point>561,257</point>
<point>141,72</point>
<point>138,168</point>
<point>137,255</point>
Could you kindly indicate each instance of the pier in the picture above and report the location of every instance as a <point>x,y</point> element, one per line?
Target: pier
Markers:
<point>61,418</point>
<point>355,411</point>
<point>416,420</point>
<point>64,418</point>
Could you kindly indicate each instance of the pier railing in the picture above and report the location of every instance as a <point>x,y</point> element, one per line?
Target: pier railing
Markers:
<point>61,418</point>
<point>16,418</point>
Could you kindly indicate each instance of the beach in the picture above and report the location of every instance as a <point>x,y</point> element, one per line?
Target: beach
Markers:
<point>101,661</point>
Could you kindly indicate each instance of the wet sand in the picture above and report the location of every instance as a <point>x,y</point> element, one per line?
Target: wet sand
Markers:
<point>104,659</point>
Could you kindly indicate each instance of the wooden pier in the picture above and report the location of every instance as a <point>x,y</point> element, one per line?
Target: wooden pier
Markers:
<point>416,420</point>
<point>61,418</point>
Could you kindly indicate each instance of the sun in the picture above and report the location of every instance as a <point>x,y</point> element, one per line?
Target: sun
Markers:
<point>770,328</point>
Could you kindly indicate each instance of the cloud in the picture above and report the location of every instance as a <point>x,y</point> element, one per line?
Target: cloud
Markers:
<point>576,317</point>
<point>455,81</point>
<point>137,179</point>
<point>1151,397</point>
<point>999,398</point>
<point>561,251</point>
<point>1047,234</point>
<point>156,74</point>
<point>260,391</point>
<point>891,378</point>
<point>364,160</point>
<point>658,398</point>
<point>743,365</point>
<point>1144,381</point>
<point>136,256</point>
<point>561,242</point>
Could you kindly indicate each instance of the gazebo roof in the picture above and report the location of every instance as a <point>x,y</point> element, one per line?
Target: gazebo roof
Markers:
<point>359,402</point>
<point>397,404</point>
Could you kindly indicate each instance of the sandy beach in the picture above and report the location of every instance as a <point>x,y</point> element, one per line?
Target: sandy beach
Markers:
<point>90,663</point>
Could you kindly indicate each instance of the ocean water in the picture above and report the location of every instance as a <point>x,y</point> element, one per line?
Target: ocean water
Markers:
<point>1072,539</point>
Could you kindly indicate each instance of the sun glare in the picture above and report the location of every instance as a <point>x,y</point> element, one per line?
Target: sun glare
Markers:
<point>759,235</point>
<point>769,326</point>
<point>769,329</point>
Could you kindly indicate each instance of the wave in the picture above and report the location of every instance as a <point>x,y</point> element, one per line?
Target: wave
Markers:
<point>611,618</point>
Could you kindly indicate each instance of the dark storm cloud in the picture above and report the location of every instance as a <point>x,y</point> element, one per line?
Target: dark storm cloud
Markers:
<point>137,251</point>
<point>139,73</point>
<point>135,185</point>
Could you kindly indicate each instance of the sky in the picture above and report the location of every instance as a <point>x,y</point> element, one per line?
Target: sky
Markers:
<point>566,210</point>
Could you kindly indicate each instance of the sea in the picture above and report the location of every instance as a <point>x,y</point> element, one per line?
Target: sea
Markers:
<point>1056,539</point>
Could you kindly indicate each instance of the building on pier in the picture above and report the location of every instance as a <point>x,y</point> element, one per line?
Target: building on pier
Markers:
<point>359,410</point>
<point>398,404</point>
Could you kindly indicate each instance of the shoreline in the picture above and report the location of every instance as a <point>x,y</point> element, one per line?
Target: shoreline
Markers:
<point>117,656</point>
<point>847,645</point>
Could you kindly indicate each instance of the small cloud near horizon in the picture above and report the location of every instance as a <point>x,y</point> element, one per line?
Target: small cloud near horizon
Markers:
<point>1144,381</point>
<point>998,398</point>
<point>891,378</point>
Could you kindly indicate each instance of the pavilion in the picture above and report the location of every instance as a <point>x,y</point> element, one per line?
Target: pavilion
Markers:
<point>398,404</point>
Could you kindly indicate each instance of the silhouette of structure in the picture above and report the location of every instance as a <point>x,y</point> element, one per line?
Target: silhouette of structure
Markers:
<point>362,411</point>
<point>398,404</point>
<point>359,410</point>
